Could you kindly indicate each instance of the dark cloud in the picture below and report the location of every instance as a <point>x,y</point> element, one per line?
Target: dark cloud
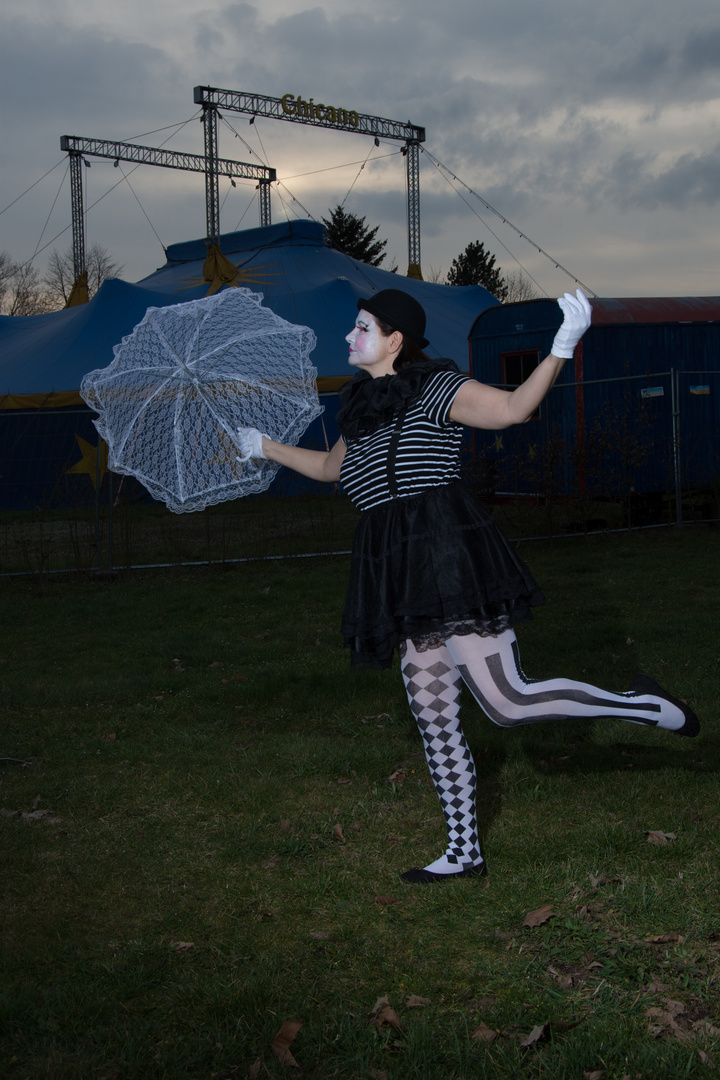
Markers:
<point>62,72</point>
<point>638,181</point>
<point>535,107</point>
<point>701,53</point>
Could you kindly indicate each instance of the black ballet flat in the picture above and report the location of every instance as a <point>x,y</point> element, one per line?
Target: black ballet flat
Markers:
<point>644,684</point>
<point>424,877</point>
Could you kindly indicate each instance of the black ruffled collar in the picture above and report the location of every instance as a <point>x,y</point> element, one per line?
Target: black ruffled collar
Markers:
<point>367,404</point>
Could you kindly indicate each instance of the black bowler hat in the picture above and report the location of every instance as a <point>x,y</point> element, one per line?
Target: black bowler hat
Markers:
<point>399,310</point>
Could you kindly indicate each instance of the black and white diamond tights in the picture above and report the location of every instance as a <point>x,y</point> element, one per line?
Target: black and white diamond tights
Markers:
<point>490,666</point>
<point>433,684</point>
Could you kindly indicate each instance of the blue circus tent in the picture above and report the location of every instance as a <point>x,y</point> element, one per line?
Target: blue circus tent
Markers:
<point>48,447</point>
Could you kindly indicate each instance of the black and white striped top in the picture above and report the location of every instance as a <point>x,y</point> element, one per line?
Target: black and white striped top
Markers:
<point>418,449</point>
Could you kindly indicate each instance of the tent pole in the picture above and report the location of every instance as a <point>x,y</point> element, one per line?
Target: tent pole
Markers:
<point>110,519</point>
<point>98,540</point>
<point>675,400</point>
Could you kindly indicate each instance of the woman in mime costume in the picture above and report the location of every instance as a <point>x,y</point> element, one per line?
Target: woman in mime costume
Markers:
<point>432,576</point>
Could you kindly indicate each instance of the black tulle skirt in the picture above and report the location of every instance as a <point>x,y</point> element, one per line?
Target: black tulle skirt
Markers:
<point>428,567</point>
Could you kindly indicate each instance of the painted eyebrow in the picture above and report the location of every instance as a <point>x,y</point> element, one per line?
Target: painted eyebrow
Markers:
<point>361,324</point>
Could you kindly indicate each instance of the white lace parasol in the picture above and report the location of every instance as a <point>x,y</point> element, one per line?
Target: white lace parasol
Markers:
<point>186,379</point>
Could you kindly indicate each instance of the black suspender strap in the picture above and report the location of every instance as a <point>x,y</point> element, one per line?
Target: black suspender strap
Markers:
<point>392,454</point>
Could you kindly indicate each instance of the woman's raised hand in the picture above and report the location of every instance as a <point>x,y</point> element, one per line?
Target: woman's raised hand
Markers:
<point>578,314</point>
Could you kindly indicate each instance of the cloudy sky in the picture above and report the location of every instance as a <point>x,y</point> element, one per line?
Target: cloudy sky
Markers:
<point>594,128</point>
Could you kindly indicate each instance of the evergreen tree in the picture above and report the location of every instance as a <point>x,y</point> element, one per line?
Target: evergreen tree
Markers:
<point>476,266</point>
<point>348,233</point>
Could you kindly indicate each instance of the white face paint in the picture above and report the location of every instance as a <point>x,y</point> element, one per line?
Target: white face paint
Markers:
<point>369,348</point>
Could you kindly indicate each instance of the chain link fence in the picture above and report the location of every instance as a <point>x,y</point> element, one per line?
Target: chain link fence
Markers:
<point>627,452</point>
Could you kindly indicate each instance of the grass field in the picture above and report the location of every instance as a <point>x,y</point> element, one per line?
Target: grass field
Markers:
<point>204,814</point>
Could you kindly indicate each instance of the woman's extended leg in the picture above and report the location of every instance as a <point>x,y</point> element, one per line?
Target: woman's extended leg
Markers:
<point>433,687</point>
<point>490,667</point>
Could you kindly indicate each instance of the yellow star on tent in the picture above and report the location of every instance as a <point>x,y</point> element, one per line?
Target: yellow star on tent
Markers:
<point>215,276</point>
<point>498,443</point>
<point>88,462</point>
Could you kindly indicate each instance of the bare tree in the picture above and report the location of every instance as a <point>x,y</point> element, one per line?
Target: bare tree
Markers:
<point>7,269</point>
<point>518,288</point>
<point>436,274</point>
<point>60,276</point>
<point>21,291</point>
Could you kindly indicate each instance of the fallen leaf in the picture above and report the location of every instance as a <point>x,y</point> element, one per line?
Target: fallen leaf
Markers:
<point>182,946</point>
<point>592,911</point>
<point>665,1023</point>
<point>285,824</point>
<point>597,1074</point>
<point>537,1034</point>
<point>655,836</point>
<point>483,1033</point>
<point>706,1059</point>
<point>539,916</point>
<point>565,982</point>
<point>385,900</point>
<point>282,1042</point>
<point>110,737</point>
<point>338,833</point>
<point>378,1074</point>
<point>412,1001</point>
<point>675,1008</point>
<point>485,1003</point>
<point>705,1027</point>
<point>254,1070</point>
<point>384,1016</point>
<point>665,939</point>
<point>35,815</point>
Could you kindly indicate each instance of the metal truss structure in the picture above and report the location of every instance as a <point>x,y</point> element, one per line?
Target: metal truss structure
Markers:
<point>213,167</point>
<point>297,110</point>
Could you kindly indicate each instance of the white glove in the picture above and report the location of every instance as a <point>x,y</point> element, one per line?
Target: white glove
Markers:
<point>578,313</point>
<point>249,443</point>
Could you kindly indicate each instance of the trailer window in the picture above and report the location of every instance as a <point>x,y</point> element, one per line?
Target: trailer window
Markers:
<point>516,367</point>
